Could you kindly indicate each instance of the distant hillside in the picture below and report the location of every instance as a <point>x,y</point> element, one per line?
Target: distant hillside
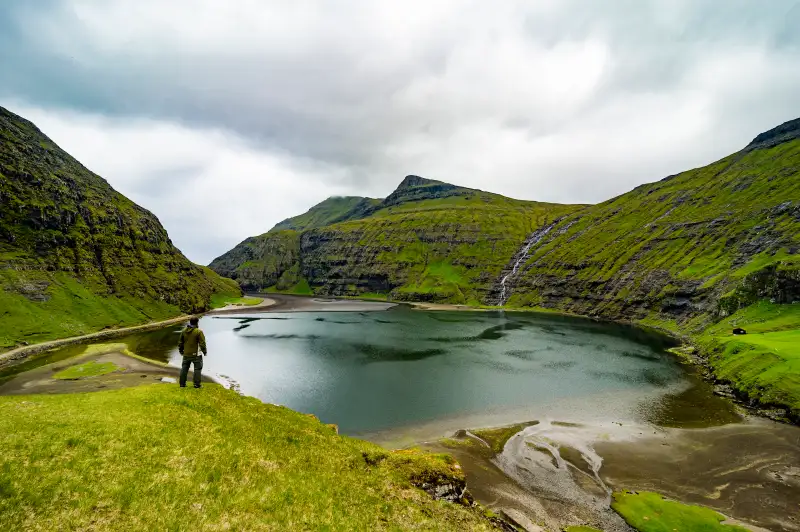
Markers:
<point>684,250</point>
<point>330,211</point>
<point>427,240</point>
<point>75,255</point>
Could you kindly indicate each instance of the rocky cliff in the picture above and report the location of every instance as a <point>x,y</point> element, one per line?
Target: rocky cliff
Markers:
<point>427,240</point>
<point>685,250</point>
<point>75,255</point>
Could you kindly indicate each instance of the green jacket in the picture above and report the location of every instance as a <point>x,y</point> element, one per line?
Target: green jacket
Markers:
<point>191,339</point>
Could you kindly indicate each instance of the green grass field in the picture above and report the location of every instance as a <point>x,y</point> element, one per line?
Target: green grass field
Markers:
<point>161,457</point>
<point>649,512</point>
<point>764,363</point>
<point>86,370</point>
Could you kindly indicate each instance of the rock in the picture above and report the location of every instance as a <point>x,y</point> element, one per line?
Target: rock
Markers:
<point>739,331</point>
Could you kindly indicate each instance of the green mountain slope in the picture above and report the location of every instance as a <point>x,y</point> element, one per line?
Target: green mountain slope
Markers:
<point>428,240</point>
<point>75,255</point>
<point>330,211</point>
<point>698,254</point>
<point>685,250</point>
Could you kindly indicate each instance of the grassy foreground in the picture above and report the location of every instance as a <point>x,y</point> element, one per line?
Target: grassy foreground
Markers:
<point>165,458</point>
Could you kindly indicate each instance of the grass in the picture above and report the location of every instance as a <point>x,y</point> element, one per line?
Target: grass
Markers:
<point>86,370</point>
<point>446,249</point>
<point>764,363</point>
<point>223,300</point>
<point>649,512</point>
<point>75,255</point>
<point>161,457</point>
<point>498,437</point>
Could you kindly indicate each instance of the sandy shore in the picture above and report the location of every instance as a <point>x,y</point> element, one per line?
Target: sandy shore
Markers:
<point>233,309</point>
<point>288,303</point>
<point>561,473</point>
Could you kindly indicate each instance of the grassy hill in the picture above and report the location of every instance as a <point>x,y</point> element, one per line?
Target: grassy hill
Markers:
<point>428,240</point>
<point>330,211</point>
<point>75,255</point>
<point>684,250</point>
<point>164,458</point>
<point>682,254</point>
<point>697,253</point>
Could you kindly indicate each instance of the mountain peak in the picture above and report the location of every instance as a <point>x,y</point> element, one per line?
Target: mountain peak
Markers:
<point>785,132</point>
<point>411,181</point>
<point>416,188</point>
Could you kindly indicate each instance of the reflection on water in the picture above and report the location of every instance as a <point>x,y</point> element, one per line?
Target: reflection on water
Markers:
<point>370,372</point>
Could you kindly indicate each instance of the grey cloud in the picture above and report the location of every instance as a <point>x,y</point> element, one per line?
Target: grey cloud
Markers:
<point>572,100</point>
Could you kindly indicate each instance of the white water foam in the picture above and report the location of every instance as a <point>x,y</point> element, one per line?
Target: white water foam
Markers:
<point>533,240</point>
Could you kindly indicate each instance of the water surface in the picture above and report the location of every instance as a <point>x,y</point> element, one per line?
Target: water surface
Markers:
<point>373,371</point>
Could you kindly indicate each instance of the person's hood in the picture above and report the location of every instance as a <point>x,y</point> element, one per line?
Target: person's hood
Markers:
<point>190,326</point>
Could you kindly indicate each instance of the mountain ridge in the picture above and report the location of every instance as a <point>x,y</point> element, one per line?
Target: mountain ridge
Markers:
<point>692,253</point>
<point>76,256</point>
<point>419,214</point>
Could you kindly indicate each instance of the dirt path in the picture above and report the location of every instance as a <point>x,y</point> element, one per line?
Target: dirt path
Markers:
<point>14,356</point>
<point>129,371</point>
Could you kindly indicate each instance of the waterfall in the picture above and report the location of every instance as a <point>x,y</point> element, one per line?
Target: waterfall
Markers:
<point>531,241</point>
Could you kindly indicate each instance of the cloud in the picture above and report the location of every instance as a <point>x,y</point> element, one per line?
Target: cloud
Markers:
<point>569,101</point>
<point>210,188</point>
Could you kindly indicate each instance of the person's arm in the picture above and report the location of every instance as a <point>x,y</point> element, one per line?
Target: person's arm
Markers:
<point>181,341</point>
<point>202,341</point>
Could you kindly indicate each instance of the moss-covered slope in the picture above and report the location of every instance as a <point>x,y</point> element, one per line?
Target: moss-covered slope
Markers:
<point>330,211</point>
<point>75,255</point>
<point>167,458</point>
<point>428,241</point>
<point>681,252</point>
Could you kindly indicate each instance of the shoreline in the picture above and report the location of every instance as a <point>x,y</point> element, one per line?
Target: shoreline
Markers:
<point>19,354</point>
<point>563,473</point>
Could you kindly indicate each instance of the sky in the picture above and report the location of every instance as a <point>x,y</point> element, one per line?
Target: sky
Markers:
<point>224,118</point>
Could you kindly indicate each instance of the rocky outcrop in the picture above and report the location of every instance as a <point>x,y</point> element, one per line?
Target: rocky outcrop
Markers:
<point>786,132</point>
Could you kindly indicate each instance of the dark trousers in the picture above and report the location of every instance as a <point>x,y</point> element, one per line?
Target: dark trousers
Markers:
<point>198,368</point>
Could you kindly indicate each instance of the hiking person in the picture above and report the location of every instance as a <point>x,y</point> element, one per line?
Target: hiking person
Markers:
<point>192,339</point>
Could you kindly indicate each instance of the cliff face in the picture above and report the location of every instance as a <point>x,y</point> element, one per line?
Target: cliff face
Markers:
<point>686,250</point>
<point>77,256</point>
<point>428,241</point>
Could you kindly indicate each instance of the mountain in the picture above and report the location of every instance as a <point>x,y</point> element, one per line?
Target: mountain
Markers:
<point>696,254</point>
<point>685,250</point>
<point>330,211</point>
<point>75,255</point>
<point>427,240</point>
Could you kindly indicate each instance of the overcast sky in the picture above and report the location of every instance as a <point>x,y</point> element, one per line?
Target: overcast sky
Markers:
<point>225,117</point>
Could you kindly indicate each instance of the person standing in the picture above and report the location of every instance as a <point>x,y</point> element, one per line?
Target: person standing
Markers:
<point>192,342</point>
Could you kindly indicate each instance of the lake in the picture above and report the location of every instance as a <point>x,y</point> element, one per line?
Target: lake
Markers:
<point>401,368</point>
